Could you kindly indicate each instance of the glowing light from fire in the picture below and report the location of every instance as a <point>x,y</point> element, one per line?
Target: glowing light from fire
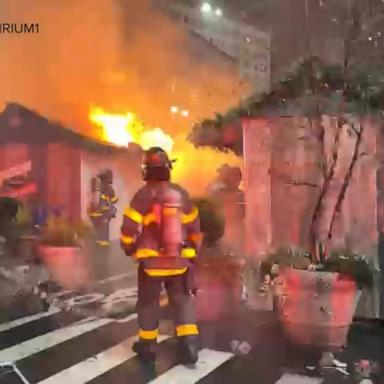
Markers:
<point>156,138</point>
<point>116,127</point>
<point>194,168</point>
<point>125,128</point>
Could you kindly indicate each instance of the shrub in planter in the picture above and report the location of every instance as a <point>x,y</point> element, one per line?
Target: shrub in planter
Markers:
<point>218,274</point>
<point>211,221</point>
<point>8,228</point>
<point>316,303</point>
<point>8,208</point>
<point>25,235</point>
<point>61,249</point>
<point>24,218</point>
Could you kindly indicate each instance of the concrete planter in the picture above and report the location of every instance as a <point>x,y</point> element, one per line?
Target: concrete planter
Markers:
<point>67,266</point>
<point>316,308</point>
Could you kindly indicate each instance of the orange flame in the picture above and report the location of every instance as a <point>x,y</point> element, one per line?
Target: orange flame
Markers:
<point>194,168</point>
<point>156,138</point>
<point>122,129</point>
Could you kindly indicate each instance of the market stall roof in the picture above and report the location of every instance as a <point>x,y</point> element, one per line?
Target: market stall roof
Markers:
<point>19,124</point>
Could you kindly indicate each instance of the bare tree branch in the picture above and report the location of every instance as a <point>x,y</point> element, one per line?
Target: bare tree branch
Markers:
<point>353,128</point>
<point>327,182</point>
<point>347,180</point>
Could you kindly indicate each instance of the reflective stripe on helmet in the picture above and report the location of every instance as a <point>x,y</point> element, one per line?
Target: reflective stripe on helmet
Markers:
<point>190,217</point>
<point>134,215</point>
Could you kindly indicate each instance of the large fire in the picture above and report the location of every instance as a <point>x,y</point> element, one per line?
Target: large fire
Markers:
<point>194,168</point>
<point>140,60</point>
<point>125,128</point>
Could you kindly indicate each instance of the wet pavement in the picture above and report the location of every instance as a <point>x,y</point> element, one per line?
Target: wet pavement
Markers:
<point>91,344</point>
<point>88,347</point>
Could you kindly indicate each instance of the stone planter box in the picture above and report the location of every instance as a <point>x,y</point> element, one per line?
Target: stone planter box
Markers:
<point>67,266</point>
<point>315,308</point>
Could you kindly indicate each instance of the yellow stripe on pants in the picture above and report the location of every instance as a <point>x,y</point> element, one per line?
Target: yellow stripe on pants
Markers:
<point>148,335</point>
<point>165,272</point>
<point>186,330</point>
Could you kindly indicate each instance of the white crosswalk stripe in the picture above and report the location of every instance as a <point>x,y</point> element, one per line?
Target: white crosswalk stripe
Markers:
<point>96,365</point>
<point>28,319</point>
<point>88,360</point>
<point>50,339</point>
<point>296,379</point>
<point>208,361</point>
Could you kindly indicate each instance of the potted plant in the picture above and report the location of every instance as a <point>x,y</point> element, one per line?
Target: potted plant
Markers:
<point>218,273</point>
<point>26,238</point>
<point>9,207</point>
<point>61,249</point>
<point>24,218</point>
<point>316,302</point>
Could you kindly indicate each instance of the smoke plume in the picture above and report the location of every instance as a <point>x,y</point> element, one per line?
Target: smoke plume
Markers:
<point>122,56</point>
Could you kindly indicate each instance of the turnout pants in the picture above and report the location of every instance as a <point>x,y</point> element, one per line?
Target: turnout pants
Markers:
<point>148,305</point>
<point>102,232</point>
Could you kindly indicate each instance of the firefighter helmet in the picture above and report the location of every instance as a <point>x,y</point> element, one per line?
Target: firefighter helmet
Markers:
<point>106,176</point>
<point>156,164</point>
<point>156,157</point>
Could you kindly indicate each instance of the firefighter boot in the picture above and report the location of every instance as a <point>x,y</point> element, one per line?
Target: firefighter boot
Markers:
<point>188,349</point>
<point>146,350</point>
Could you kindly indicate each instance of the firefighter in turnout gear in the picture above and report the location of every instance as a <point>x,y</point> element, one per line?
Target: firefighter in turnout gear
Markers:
<point>161,230</point>
<point>104,208</point>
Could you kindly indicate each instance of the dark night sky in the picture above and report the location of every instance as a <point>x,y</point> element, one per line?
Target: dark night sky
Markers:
<point>286,21</point>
